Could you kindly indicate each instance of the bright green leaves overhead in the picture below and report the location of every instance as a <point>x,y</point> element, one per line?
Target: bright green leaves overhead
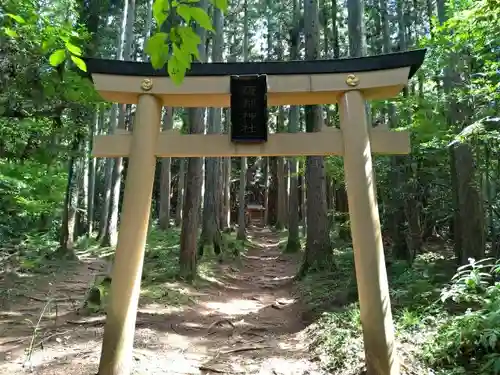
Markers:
<point>57,57</point>
<point>160,11</point>
<point>180,46</point>
<point>184,11</point>
<point>9,32</point>
<point>221,4</point>
<point>62,40</point>
<point>201,17</point>
<point>198,15</point>
<point>189,39</point>
<point>16,18</point>
<point>158,49</point>
<point>80,64</point>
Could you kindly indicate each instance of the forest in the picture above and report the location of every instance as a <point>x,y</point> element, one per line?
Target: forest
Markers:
<point>224,289</point>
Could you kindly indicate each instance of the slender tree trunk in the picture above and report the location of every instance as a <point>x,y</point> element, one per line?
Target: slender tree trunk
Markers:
<point>293,243</point>
<point>241,235</point>
<point>210,232</point>
<point>92,173</point>
<point>281,179</point>
<point>180,192</point>
<point>124,52</point>
<point>266,191</point>
<point>67,235</point>
<point>318,254</point>
<point>194,182</point>
<point>166,176</point>
<point>227,192</point>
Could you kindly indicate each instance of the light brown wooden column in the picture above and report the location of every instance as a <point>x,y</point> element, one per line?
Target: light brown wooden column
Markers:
<point>371,274</point>
<point>116,355</point>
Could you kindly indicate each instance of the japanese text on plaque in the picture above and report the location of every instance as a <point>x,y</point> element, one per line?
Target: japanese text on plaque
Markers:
<point>249,109</point>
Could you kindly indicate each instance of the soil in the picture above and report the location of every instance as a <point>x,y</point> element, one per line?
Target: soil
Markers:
<point>244,321</point>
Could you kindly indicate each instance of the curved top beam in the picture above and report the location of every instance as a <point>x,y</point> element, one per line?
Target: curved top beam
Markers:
<point>412,59</point>
<point>289,82</point>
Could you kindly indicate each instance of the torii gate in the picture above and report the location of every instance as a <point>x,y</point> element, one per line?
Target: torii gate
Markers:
<point>348,82</point>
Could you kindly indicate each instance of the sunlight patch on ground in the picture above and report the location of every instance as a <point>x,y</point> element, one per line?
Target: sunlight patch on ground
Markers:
<point>193,325</point>
<point>11,314</point>
<point>281,278</point>
<point>286,366</point>
<point>59,354</point>
<point>178,362</point>
<point>95,251</point>
<point>178,342</point>
<point>219,283</point>
<point>270,366</point>
<point>234,306</point>
<point>268,244</point>
<point>160,309</point>
<point>262,258</point>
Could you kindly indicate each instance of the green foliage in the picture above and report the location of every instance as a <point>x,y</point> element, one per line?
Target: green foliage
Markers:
<point>455,328</point>
<point>180,46</point>
<point>49,34</point>
<point>414,292</point>
<point>470,340</point>
<point>339,340</point>
<point>31,197</point>
<point>62,40</point>
<point>162,254</point>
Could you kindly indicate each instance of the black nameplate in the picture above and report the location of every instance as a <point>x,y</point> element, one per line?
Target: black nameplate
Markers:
<point>249,108</point>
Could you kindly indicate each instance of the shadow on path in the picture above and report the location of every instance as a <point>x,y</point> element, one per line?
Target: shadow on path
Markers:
<point>244,322</point>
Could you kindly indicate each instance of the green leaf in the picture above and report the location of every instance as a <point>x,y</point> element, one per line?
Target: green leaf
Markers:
<point>74,49</point>
<point>159,8</point>
<point>175,70</point>
<point>157,48</point>
<point>10,32</point>
<point>183,56</point>
<point>79,63</point>
<point>202,18</point>
<point>190,40</point>
<point>223,5</point>
<point>159,59</point>
<point>185,12</point>
<point>57,57</point>
<point>155,42</point>
<point>16,18</point>
<point>188,35</point>
<point>45,46</point>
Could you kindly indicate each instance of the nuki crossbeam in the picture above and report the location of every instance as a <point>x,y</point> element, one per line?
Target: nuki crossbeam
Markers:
<point>327,142</point>
<point>248,88</point>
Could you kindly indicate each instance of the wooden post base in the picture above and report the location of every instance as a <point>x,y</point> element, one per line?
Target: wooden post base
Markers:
<point>371,274</point>
<point>116,355</point>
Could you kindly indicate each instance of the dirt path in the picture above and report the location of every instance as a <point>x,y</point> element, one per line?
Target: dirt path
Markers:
<point>243,322</point>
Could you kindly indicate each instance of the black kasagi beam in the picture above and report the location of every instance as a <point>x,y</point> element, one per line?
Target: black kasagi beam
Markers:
<point>249,111</point>
<point>395,60</point>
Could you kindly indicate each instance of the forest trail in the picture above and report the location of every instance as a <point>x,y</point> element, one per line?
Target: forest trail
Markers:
<point>243,321</point>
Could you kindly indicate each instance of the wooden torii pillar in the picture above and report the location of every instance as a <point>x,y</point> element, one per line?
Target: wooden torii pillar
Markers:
<point>348,82</point>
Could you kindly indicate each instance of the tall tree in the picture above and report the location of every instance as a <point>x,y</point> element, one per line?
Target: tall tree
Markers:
<point>468,211</point>
<point>165,175</point>
<point>124,52</point>
<point>318,254</point>
<point>194,180</point>
<point>241,235</point>
<point>293,243</point>
<point>210,231</point>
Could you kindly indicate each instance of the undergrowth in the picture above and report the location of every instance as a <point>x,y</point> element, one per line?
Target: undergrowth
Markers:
<point>36,254</point>
<point>445,324</point>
